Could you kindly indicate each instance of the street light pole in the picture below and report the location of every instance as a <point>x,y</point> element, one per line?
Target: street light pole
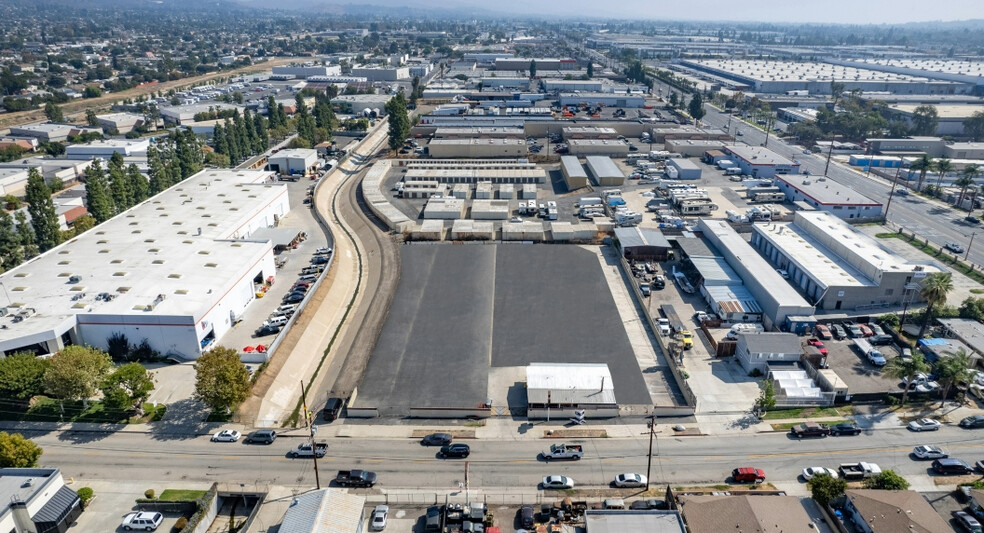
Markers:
<point>652,434</point>
<point>891,194</point>
<point>972,235</point>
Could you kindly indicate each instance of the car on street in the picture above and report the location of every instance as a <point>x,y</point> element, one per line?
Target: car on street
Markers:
<point>926,452</point>
<point>967,522</point>
<point>630,481</point>
<point>813,471</point>
<point>838,331</point>
<point>145,521</point>
<point>378,520</point>
<point>748,475</point>
<point>454,450</point>
<point>925,424</point>
<point>261,436</point>
<point>437,439</point>
<point>973,422</point>
<point>951,467</point>
<point>818,344</point>
<point>972,219</point>
<point>846,428</point>
<point>226,435</point>
<point>954,247</point>
<point>822,332</point>
<point>558,482</point>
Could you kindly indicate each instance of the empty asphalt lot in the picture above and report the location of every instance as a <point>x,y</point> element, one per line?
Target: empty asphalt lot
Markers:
<point>462,309</point>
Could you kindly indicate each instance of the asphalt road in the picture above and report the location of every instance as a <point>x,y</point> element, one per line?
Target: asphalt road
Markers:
<point>933,220</point>
<point>403,463</point>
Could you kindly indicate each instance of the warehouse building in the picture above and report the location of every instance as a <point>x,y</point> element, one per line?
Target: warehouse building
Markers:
<point>37,500</point>
<point>444,207</point>
<point>603,99</point>
<point>106,149</point>
<point>120,122</point>
<point>760,162</point>
<point>966,150</point>
<point>584,132</point>
<point>837,266</point>
<point>931,146</point>
<point>966,71</point>
<point>423,189</point>
<point>604,171</point>
<point>306,71</point>
<point>951,116</point>
<point>558,390</point>
<point>357,103</point>
<point>486,58</point>
<point>685,168</point>
<point>176,270</point>
<point>570,86</point>
<point>543,64</point>
<point>476,175</point>
<point>324,511</point>
<point>449,148</point>
<point>294,161</point>
<point>777,298</point>
<point>604,147</point>
<point>721,287</point>
<point>382,73</point>
<point>693,147</point>
<point>69,171</point>
<point>490,209</point>
<point>50,132</point>
<point>829,196</point>
<point>480,133</point>
<point>574,174</point>
<point>638,244</point>
<point>506,83</point>
<point>688,132</point>
<point>185,114</point>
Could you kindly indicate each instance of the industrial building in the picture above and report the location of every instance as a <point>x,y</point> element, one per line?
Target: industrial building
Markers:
<point>176,270</point>
<point>685,168</point>
<point>931,146</point>
<point>827,195</point>
<point>50,132</point>
<point>37,500</point>
<point>950,116</point>
<point>486,58</point>
<point>605,147</point>
<point>449,148</point>
<point>574,173</point>
<point>604,171</point>
<point>837,266</point>
<point>505,82</point>
<point>480,133</point>
<point>382,73</point>
<point>358,103</point>
<point>69,171</point>
<point>603,99</point>
<point>722,287</point>
<point>120,122</point>
<point>759,162</point>
<point>491,209</point>
<point>106,149</point>
<point>528,173</point>
<point>777,298</point>
<point>772,76</point>
<point>444,207</point>
<point>638,244</point>
<point>688,132</point>
<point>559,389</point>
<point>324,511</point>
<point>423,189</point>
<point>306,71</point>
<point>587,132</point>
<point>294,161</point>
<point>543,64</point>
<point>569,86</point>
<point>965,71</point>
<point>692,147</point>
<point>184,114</point>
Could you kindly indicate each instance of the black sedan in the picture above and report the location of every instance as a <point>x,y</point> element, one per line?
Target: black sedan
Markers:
<point>845,429</point>
<point>454,450</point>
<point>436,439</point>
<point>267,330</point>
<point>973,422</point>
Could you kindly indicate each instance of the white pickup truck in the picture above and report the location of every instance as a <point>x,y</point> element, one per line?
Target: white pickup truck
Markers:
<point>862,470</point>
<point>564,451</point>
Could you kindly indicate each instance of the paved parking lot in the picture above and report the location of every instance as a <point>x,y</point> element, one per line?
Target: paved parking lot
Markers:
<point>860,376</point>
<point>113,500</point>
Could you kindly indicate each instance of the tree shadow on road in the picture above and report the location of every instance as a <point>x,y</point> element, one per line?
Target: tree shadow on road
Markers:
<point>185,419</point>
<point>87,433</point>
<point>744,422</point>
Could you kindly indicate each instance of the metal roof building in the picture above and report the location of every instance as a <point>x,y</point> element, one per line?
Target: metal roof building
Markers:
<point>605,172</point>
<point>558,389</point>
<point>36,499</point>
<point>476,175</point>
<point>324,511</point>
<point>824,194</point>
<point>573,171</point>
<point>760,162</point>
<point>642,244</point>
<point>620,521</point>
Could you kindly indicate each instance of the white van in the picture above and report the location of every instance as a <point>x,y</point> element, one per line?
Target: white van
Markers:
<point>744,327</point>
<point>286,309</point>
<point>276,320</point>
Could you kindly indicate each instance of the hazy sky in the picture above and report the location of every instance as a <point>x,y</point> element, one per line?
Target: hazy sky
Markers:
<point>847,11</point>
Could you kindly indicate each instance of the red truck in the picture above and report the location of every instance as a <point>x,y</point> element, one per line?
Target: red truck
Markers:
<point>748,475</point>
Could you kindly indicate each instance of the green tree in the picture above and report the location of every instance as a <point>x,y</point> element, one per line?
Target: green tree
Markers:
<point>53,112</point>
<point>963,182</point>
<point>925,119</point>
<point>221,380</point>
<point>590,69</point>
<point>26,233</point>
<point>673,99</point>
<point>21,376</point>
<point>825,488</point>
<point>159,178</point>
<point>969,176</point>
<point>127,386</point>
<point>119,184</point>
<point>943,166</point>
<point>138,184</point>
<point>935,288</point>
<point>951,369</point>
<point>18,452</point>
<point>767,399</point>
<point>91,91</point>
<point>807,132</point>
<point>974,126</point>
<point>922,165</point>
<point>44,219</point>
<point>532,68</point>
<point>399,121</point>
<point>97,197</point>
<point>11,249</point>
<point>886,480</point>
<point>75,373</point>
<point>90,118</point>
<point>305,122</point>
<point>272,112</point>
<point>906,370</point>
<point>696,107</point>
<point>83,224</point>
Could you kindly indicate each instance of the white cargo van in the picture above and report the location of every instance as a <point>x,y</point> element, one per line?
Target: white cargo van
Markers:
<point>744,327</point>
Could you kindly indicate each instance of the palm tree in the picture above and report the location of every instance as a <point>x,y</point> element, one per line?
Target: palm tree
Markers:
<point>934,290</point>
<point>952,369</point>
<point>972,171</point>
<point>906,370</point>
<point>942,167</point>
<point>922,165</point>
<point>963,182</point>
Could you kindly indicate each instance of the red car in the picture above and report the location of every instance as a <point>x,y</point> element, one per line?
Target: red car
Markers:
<point>818,344</point>
<point>748,475</point>
<point>865,330</point>
<point>823,332</point>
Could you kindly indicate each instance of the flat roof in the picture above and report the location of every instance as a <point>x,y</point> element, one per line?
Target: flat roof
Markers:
<point>439,173</point>
<point>503,142</point>
<point>773,71</point>
<point>943,66</point>
<point>636,236</point>
<point>945,111</point>
<point>573,167</point>
<point>301,153</point>
<point>603,167</point>
<point>596,142</point>
<point>733,298</point>
<point>13,486</point>
<point>826,191</point>
<point>970,331</point>
<point>715,271</point>
<point>588,129</point>
<point>683,164</point>
<point>757,155</point>
<point>569,383</point>
<point>324,511</point>
<point>188,244</point>
<point>589,94</point>
<point>620,521</point>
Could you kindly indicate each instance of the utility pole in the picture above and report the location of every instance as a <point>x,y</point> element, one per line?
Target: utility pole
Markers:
<point>311,431</point>
<point>972,235</point>
<point>891,193</point>
<point>652,434</point>
<point>830,152</point>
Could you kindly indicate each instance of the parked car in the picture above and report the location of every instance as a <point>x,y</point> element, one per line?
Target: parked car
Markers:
<point>865,330</point>
<point>925,424</point>
<point>147,521</point>
<point>454,450</point>
<point>809,429</point>
<point>436,439</point>
<point>333,408</point>
<point>818,344</point>
<point>926,452</point>
<point>645,505</point>
<point>267,329</point>
<point>853,330</point>
<point>838,331</point>
<point>226,435</point>
<point>294,297</point>
<point>323,251</point>
<point>954,247</point>
<point>748,475</point>
<point>876,329</point>
<point>378,520</point>
<point>558,482</point>
<point>822,332</point>
<point>951,467</point>
<point>261,436</point>
<point>973,422</point>
<point>813,471</point>
<point>972,219</point>
<point>432,518</point>
<point>847,428</point>
<point>630,480</point>
<point>967,522</point>
<point>527,518</point>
